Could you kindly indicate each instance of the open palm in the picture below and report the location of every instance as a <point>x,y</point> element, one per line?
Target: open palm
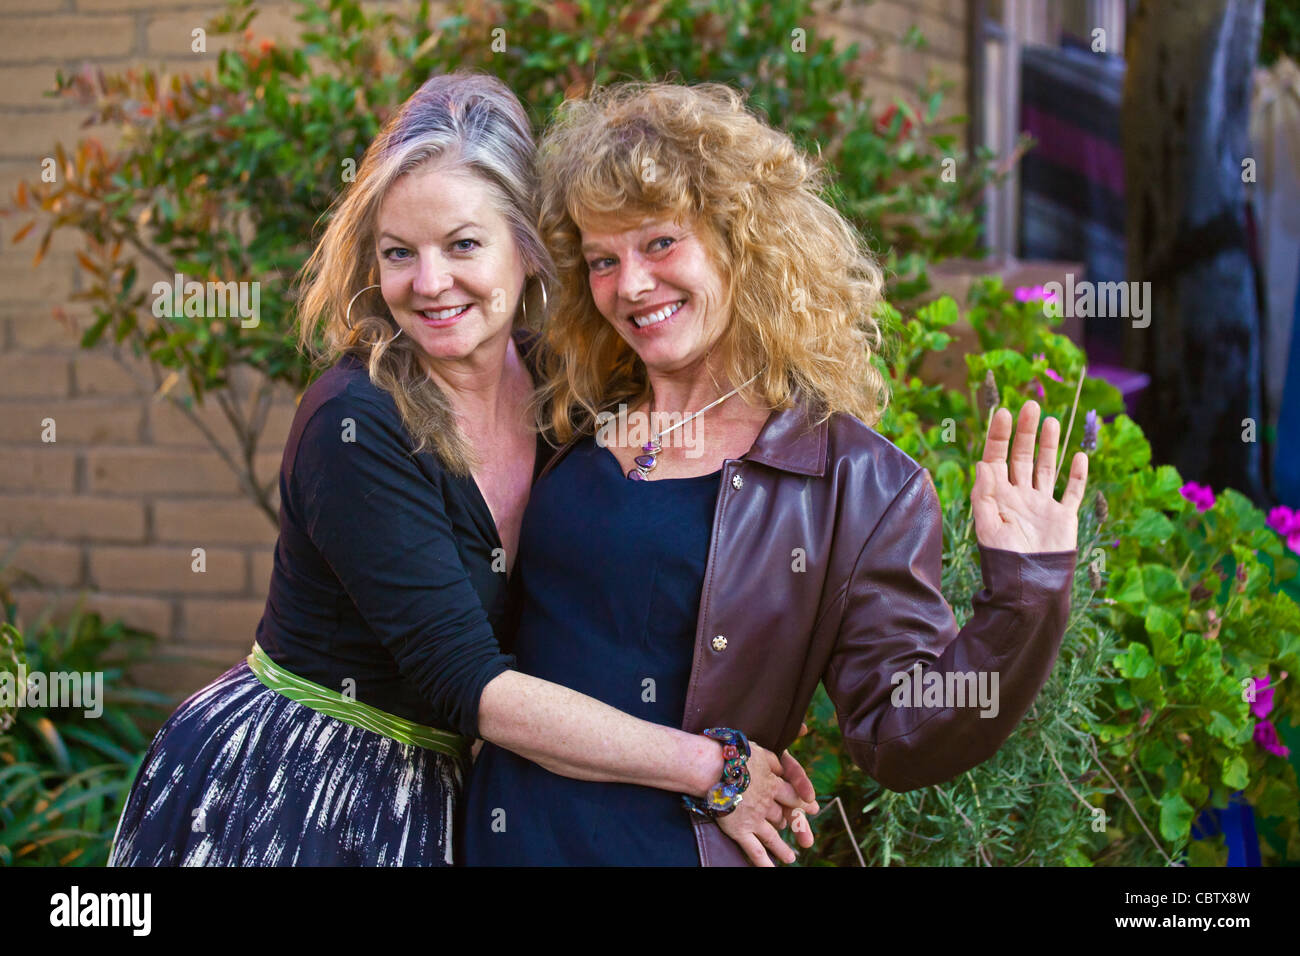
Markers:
<point>1014,509</point>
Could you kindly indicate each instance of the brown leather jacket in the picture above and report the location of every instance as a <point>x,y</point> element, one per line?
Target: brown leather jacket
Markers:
<point>824,565</point>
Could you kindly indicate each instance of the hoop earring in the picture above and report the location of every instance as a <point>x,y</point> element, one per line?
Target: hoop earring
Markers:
<point>347,316</point>
<point>523,300</point>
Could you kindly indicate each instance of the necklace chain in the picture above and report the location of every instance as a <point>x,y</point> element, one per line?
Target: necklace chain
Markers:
<point>645,462</point>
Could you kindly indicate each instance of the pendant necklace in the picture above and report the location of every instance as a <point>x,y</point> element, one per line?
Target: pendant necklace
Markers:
<point>645,462</point>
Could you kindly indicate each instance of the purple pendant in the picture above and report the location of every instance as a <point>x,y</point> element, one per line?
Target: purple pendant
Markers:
<point>645,461</point>
<point>652,447</point>
<point>635,475</point>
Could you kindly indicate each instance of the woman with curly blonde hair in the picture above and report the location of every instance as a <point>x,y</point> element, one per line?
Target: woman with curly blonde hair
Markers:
<point>722,528</point>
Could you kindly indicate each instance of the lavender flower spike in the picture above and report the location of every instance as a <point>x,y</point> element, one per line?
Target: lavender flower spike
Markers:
<point>1091,427</point>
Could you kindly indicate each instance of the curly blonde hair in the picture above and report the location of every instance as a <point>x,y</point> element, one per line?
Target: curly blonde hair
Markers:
<point>468,121</point>
<point>800,282</point>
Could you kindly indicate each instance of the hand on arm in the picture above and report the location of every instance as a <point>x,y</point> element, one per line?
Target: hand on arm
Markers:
<point>754,828</point>
<point>577,736</point>
<point>380,522</point>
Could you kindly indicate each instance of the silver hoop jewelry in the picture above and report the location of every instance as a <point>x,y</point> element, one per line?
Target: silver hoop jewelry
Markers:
<point>347,316</point>
<point>523,300</point>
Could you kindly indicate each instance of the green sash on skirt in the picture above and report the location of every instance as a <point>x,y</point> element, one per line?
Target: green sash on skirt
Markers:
<point>333,704</point>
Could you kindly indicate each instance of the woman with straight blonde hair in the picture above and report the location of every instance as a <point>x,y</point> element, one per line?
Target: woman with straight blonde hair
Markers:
<point>344,737</point>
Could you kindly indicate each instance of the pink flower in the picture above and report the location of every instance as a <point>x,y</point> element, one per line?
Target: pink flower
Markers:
<point>1028,293</point>
<point>1263,702</point>
<point>1283,520</point>
<point>1050,374</point>
<point>1200,495</point>
<point>1266,738</point>
<point>1286,523</point>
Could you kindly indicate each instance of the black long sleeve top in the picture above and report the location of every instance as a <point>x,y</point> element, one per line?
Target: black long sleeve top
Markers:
<point>383,582</point>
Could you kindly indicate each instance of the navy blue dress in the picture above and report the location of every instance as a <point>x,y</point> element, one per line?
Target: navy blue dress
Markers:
<point>608,608</point>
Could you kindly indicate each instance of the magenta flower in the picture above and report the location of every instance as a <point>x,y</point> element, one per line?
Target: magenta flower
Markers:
<point>1266,738</point>
<point>1200,495</point>
<point>1028,293</point>
<point>1283,520</point>
<point>1263,702</point>
<point>1050,374</point>
<point>1286,522</point>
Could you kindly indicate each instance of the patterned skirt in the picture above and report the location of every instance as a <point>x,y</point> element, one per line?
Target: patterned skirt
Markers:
<point>243,775</point>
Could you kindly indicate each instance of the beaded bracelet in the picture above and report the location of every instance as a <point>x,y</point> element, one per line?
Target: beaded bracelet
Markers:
<point>724,796</point>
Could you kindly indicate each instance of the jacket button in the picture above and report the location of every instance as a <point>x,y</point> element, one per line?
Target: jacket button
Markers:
<point>737,481</point>
<point>719,643</point>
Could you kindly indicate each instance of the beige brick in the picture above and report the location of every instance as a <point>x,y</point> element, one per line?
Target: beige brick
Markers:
<point>144,614</point>
<point>169,425</point>
<point>180,671</point>
<point>954,11</point>
<point>40,564</point>
<point>171,34</point>
<point>121,6</point>
<point>32,376</point>
<point>154,615</point>
<point>147,470</point>
<point>142,471</point>
<point>71,518</point>
<point>33,39</point>
<point>46,470</point>
<point>25,86</point>
<point>51,281</point>
<point>12,171</point>
<point>102,374</point>
<point>96,421</point>
<point>38,329</point>
<point>944,35</point>
<point>232,521</point>
<point>31,135</point>
<point>156,569</point>
<point>220,622</point>
<point>36,6</point>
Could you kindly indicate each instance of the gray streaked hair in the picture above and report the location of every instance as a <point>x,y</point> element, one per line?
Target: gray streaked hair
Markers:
<point>471,122</point>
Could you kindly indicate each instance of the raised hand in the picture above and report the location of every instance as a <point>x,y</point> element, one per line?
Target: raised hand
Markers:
<point>1014,509</point>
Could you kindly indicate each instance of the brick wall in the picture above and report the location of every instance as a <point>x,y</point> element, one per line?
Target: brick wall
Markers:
<point>109,512</point>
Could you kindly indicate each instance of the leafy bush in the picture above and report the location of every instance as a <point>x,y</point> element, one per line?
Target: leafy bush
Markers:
<point>1153,711</point>
<point>64,777</point>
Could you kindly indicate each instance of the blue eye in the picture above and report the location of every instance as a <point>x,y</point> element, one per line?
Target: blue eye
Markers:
<point>388,253</point>
<point>597,264</point>
<point>667,239</point>
<point>461,247</point>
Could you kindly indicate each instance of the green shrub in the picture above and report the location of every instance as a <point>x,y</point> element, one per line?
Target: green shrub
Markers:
<point>64,776</point>
<point>1145,719</point>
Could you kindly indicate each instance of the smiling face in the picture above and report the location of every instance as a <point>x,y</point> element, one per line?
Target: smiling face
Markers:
<point>660,287</point>
<point>449,268</point>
